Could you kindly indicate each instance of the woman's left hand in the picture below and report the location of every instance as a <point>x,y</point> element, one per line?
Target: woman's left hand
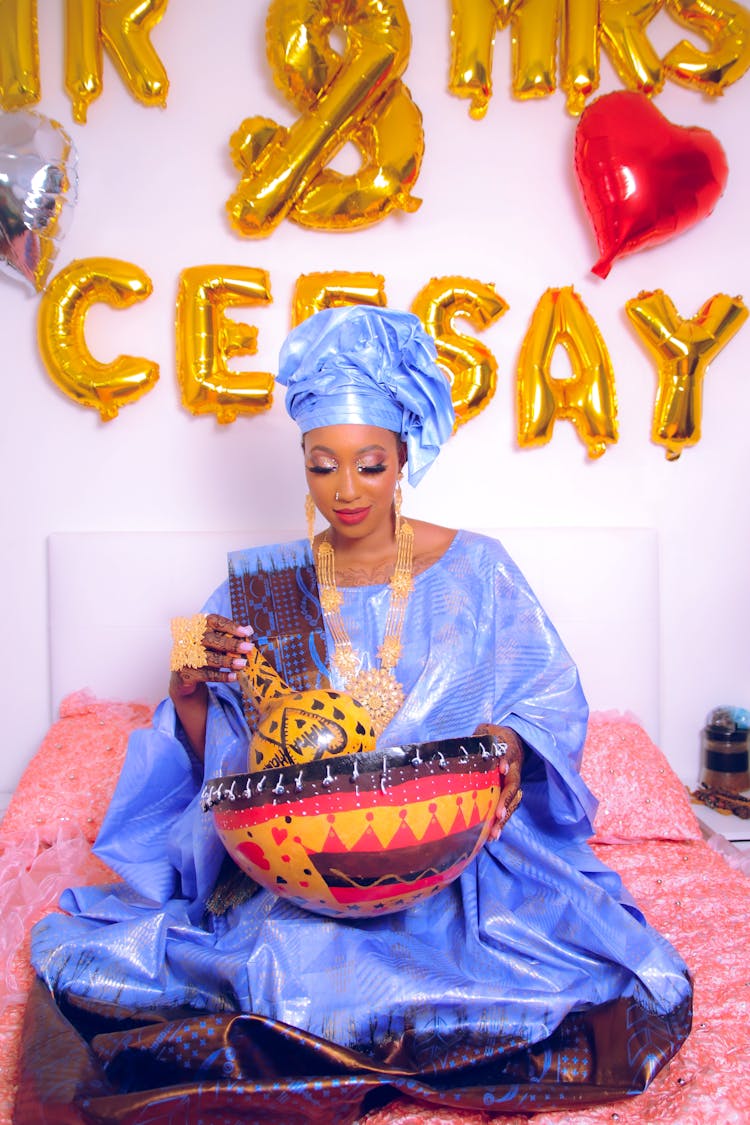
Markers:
<point>511,765</point>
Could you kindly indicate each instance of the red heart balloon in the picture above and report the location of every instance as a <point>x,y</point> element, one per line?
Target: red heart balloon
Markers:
<point>643,178</point>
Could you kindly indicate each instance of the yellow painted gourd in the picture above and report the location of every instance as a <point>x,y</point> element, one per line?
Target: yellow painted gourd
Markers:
<point>297,727</point>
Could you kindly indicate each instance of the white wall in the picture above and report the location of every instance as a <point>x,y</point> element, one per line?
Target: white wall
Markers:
<point>500,204</point>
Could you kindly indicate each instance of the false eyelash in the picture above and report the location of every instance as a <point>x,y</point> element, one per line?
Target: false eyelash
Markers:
<point>324,469</point>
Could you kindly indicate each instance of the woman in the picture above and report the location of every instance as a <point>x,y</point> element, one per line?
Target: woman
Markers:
<point>531,982</point>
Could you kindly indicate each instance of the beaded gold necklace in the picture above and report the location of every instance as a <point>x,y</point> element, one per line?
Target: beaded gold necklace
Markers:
<point>377,689</point>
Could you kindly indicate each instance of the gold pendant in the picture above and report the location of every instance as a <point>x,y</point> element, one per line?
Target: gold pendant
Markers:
<point>380,694</point>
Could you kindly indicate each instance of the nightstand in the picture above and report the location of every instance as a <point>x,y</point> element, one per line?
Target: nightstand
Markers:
<point>732,828</point>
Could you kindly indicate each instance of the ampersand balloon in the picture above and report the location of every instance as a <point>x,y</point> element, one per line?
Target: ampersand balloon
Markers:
<point>355,97</point>
<point>38,190</point>
<point>643,179</point>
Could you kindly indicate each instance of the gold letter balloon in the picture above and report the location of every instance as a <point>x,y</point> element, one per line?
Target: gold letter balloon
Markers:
<point>535,28</point>
<point>334,289</point>
<point>357,97</point>
<point>682,350</point>
<point>622,33</point>
<point>576,29</point>
<point>579,53</point>
<point>19,54</point>
<point>470,366</point>
<point>207,339</point>
<point>587,397</point>
<point>121,27</point>
<point>473,25</point>
<point>726,26</point>
<point>60,330</point>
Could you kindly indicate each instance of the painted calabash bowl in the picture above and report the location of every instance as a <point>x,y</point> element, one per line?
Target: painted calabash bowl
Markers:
<point>362,834</point>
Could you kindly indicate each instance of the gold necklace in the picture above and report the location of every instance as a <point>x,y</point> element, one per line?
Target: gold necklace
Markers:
<point>377,689</point>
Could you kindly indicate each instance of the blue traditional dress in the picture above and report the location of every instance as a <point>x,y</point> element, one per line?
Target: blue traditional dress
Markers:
<point>477,996</point>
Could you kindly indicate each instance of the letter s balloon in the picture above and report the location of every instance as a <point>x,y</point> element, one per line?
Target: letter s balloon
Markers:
<point>470,366</point>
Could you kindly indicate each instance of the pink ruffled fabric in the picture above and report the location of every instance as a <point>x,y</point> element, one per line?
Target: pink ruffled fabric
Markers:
<point>32,878</point>
<point>45,843</point>
<point>406,1113</point>
<point>618,752</point>
<point>72,776</point>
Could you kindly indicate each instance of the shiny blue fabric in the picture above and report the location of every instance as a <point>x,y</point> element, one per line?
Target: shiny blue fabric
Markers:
<point>535,928</point>
<point>369,366</point>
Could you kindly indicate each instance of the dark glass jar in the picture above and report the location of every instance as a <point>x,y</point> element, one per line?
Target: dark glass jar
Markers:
<point>726,746</point>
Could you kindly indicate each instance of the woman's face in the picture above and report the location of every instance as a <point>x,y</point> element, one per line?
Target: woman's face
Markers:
<point>351,474</point>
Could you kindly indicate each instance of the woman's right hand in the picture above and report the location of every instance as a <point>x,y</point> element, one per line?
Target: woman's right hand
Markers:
<point>225,644</point>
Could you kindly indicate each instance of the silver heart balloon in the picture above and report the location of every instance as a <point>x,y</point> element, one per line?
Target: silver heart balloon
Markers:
<point>38,191</point>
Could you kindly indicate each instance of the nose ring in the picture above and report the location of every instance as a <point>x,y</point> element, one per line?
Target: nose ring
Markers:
<point>337,497</point>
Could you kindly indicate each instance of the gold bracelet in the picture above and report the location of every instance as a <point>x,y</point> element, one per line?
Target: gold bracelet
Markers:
<point>188,649</point>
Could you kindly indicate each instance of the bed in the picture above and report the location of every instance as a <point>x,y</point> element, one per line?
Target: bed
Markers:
<point>601,588</point>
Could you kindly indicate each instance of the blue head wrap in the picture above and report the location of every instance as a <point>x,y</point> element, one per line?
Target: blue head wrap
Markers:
<point>371,366</point>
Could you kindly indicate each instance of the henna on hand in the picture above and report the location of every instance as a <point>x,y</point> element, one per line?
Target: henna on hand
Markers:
<point>511,765</point>
<point>207,648</point>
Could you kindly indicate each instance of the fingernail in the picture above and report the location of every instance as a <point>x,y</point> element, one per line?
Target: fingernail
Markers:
<point>238,662</point>
<point>244,647</point>
<point>245,630</point>
<point>231,676</point>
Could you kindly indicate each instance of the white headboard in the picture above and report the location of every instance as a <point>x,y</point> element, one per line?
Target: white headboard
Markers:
<point>111,596</point>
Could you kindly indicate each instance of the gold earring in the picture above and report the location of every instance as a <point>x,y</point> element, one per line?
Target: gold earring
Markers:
<point>397,501</point>
<point>310,517</point>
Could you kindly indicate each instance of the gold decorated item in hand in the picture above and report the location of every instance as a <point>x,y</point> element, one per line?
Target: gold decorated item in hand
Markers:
<point>377,689</point>
<point>188,649</point>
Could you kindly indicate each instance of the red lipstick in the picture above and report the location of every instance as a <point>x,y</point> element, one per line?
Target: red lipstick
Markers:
<point>350,516</point>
